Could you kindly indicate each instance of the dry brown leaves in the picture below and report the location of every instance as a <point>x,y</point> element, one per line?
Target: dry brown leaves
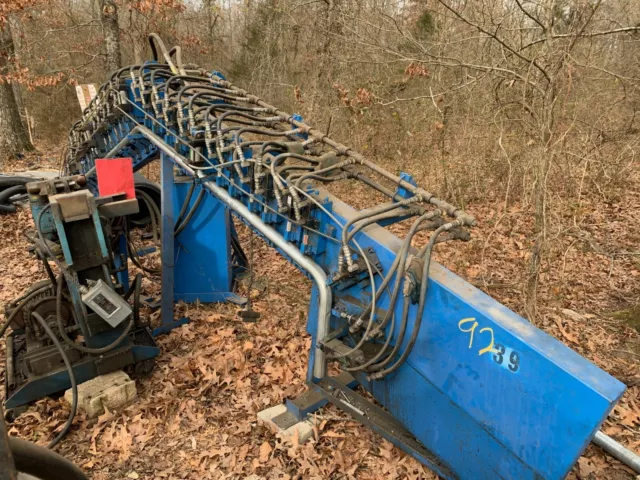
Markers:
<point>195,416</point>
<point>415,69</point>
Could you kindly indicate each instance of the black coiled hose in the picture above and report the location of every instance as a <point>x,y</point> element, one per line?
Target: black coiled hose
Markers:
<point>42,463</point>
<point>5,205</point>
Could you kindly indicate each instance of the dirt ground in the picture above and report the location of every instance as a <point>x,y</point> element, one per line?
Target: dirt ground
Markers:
<point>195,416</point>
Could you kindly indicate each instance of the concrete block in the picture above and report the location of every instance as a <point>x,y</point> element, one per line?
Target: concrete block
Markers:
<point>304,428</point>
<point>305,431</point>
<point>112,390</point>
<point>265,416</point>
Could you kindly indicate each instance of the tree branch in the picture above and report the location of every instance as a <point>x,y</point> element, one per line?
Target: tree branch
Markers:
<point>497,39</point>
<point>544,29</point>
<point>585,35</point>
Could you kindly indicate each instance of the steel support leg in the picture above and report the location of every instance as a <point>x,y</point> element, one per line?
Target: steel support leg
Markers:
<point>167,256</point>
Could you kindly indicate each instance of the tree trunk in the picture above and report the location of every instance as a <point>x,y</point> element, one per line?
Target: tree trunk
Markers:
<point>13,135</point>
<point>540,203</point>
<point>540,196</point>
<point>111,32</point>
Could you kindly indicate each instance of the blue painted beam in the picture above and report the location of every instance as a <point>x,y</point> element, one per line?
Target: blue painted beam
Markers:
<point>485,390</point>
<point>205,236</point>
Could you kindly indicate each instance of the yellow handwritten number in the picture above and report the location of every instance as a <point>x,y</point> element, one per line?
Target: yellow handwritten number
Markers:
<point>490,347</point>
<point>463,326</point>
<point>470,329</point>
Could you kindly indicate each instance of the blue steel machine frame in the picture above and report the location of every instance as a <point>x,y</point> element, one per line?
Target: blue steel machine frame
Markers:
<point>465,385</point>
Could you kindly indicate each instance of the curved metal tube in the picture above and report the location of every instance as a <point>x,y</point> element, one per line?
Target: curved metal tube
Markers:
<point>316,272</point>
<point>312,268</point>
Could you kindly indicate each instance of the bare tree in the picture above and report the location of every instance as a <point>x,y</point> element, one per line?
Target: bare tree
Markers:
<point>111,31</point>
<point>539,52</point>
<point>13,135</point>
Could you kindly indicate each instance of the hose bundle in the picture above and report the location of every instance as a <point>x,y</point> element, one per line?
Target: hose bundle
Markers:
<point>10,187</point>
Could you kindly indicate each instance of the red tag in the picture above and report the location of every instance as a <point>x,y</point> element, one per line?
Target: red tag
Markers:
<point>115,175</point>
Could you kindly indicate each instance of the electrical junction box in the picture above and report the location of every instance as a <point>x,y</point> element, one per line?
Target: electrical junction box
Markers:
<point>104,301</point>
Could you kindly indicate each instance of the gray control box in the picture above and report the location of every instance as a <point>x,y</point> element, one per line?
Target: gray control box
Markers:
<point>103,300</point>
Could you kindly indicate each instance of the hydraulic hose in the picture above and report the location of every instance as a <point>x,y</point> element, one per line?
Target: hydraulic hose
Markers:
<point>7,181</point>
<point>154,213</point>
<point>379,217</point>
<point>400,259</point>
<point>177,52</point>
<point>423,294</point>
<point>185,204</point>
<point>405,308</point>
<point>135,289</point>
<point>154,39</point>
<point>5,195</point>
<point>192,211</point>
<point>72,377</point>
<point>21,305</point>
<point>42,463</point>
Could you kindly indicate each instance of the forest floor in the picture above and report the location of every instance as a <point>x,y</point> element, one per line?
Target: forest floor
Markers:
<point>195,416</point>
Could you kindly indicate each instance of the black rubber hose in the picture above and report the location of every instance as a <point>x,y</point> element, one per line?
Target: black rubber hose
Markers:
<point>176,52</point>
<point>7,193</point>
<point>154,213</point>
<point>12,181</point>
<point>135,289</point>
<point>398,267</point>
<point>381,351</point>
<point>136,300</point>
<point>20,305</point>
<point>133,255</point>
<point>404,320</point>
<point>237,248</point>
<point>155,40</point>
<point>191,213</point>
<point>49,271</point>
<point>185,204</point>
<point>142,218</point>
<point>8,209</point>
<point>42,463</point>
<point>72,377</point>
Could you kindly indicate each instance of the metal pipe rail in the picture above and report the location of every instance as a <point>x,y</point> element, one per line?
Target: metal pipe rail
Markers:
<point>312,268</point>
